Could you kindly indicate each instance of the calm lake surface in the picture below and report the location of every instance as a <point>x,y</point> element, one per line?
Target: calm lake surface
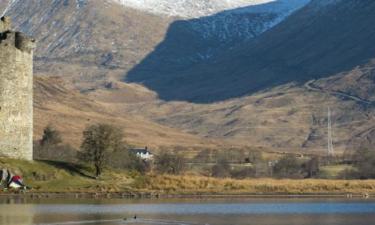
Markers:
<point>188,212</point>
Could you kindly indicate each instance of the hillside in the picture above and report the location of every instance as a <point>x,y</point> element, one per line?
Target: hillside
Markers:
<point>104,39</point>
<point>87,42</point>
<point>70,112</point>
<point>286,118</point>
<point>317,41</point>
<point>267,82</point>
<point>281,113</point>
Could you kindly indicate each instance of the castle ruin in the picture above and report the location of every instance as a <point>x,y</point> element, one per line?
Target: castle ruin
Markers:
<point>16,93</point>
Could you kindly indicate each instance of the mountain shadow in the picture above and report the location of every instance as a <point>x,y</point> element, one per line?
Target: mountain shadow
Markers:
<point>319,40</point>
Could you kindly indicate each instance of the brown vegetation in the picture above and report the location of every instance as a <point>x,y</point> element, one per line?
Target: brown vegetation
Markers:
<point>206,185</point>
<point>70,112</point>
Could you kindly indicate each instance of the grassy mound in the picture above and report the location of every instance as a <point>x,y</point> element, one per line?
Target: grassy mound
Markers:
<point>48,176</point>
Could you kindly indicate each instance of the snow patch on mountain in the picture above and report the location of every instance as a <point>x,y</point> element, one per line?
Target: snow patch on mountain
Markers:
<point>199,8</point>
<point>246,22</point>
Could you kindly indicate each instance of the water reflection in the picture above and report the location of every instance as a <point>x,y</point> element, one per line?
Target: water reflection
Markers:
<point>17,214</point>
<point>187,212</point>
<point>211,208</point>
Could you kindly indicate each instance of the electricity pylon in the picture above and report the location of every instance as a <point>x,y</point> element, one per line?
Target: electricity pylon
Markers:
<point>330,150</point>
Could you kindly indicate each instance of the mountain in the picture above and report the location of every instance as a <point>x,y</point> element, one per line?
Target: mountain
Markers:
<point>249,78</point>
<point>195,9</point>
<point>196,41</point>
<point>317,41</point>
<point>86,42</point>
<point>275,90</point>
<point>105,39</point>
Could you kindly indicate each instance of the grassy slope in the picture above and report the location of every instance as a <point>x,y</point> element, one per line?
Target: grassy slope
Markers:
<point>58,177</point>
<point>70,112</point>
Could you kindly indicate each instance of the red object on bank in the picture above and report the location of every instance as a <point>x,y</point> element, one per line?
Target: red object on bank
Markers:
<point>16,178</point>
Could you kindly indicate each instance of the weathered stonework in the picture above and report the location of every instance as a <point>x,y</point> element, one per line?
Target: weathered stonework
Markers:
<point>16,88</point>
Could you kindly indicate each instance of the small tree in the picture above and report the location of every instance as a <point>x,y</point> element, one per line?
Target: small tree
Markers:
<point>172,163</point>
<point>51,136</point>
<point>364,162</point>
<point>312,167</point>
<point>288,167</point>
<point>99,141</point>
<point>51,147</point>
<point>221,168</point>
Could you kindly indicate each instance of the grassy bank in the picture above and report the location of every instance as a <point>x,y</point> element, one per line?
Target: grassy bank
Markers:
<point>47,176</point>
<point>196,184</point>
<point>44,176</point>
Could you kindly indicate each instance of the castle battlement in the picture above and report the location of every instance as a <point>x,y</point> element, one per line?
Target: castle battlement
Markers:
<point>13,38</point>
<point>16,92</point>
<point>5,24</point>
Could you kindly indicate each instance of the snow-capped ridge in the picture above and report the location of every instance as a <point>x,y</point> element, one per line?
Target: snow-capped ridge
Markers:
<point>199,8</point>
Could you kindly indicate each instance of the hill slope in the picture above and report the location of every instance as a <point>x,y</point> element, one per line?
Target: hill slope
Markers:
<point>70,112</point>
<point>317,41</point>
<point>105,40</point>
<point>271,92</point>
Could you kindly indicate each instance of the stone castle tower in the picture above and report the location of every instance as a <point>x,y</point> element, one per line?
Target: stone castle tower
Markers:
<point>16,92</point>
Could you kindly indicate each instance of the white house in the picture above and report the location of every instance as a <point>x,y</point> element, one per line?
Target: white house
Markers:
<point>142,153</point>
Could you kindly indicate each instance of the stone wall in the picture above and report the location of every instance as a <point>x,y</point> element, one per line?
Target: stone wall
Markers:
<point>16,98</point>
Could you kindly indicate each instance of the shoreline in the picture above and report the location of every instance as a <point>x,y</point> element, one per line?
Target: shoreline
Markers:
<point>52,181</point>
<point>121,195</point>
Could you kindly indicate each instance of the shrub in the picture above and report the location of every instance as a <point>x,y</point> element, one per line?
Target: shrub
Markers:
<point>364,162</point>
<point>221,169</point>
<point>288,167</point>
<point>51,137</point>
<point>311,167</point>
<point>171,163</point>
<point>123,159</point>
<point>51,147</point>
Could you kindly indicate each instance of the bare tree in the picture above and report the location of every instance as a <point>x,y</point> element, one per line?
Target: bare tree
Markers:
<point>221,168</point>
<point>172,163</point>
<point>312,167</point>
<point>99,141</point>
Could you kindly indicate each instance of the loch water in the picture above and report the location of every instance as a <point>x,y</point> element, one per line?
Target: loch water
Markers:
<point>228,211</point>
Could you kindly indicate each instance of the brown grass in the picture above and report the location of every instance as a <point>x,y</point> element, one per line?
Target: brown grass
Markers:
<point>204,185</point>
<point>70,112</point>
